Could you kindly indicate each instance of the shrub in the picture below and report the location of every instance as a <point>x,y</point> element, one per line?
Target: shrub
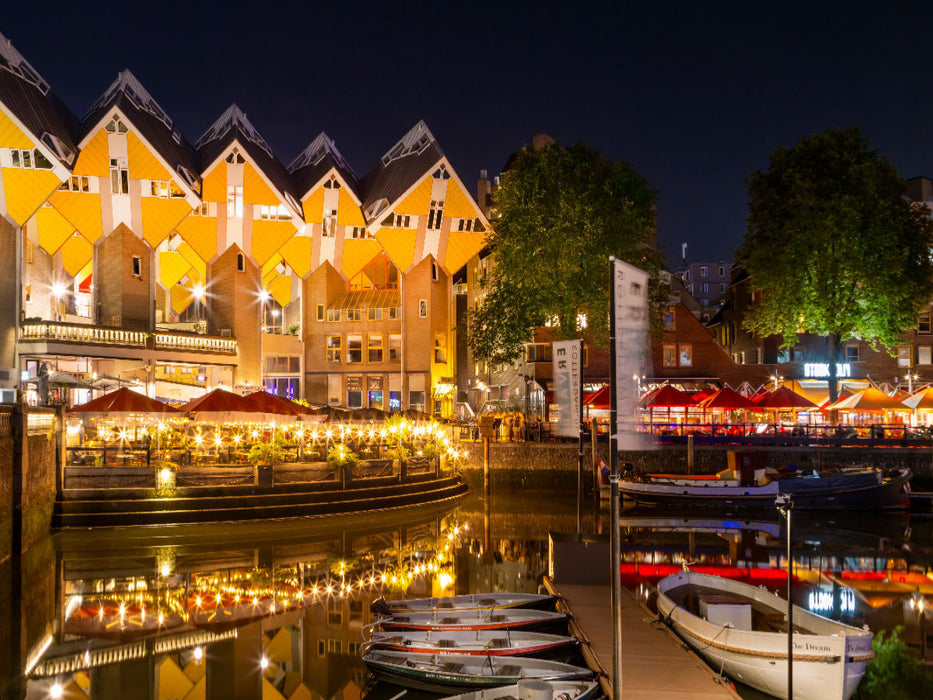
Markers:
<point>895,673</point>
<point>265,453</point>
<point>340,456</point>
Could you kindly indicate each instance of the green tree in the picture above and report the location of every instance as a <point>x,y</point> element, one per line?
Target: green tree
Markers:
<point>559,214</point>
<point>894,673</point>
<point>834,246</point>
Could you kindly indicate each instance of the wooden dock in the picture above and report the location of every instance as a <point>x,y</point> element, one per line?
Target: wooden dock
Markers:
<point>655,663</point>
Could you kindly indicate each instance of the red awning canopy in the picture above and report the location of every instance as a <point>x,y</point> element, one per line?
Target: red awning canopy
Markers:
<point>785,398</point>
<point>667,397</point>
<point>123,402</point>
<point>728,400</point>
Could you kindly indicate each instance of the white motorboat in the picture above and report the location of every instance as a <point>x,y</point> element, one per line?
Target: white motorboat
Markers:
<point>741,631</point>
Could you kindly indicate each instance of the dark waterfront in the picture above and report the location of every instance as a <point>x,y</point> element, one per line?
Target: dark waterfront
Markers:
<point>276,610</point>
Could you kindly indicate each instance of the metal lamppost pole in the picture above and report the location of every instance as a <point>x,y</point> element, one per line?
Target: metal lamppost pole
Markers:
<point>785,505</point>
<point>581,426</point>
<point>615,598</point>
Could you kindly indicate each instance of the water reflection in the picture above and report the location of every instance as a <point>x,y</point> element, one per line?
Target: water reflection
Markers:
<point>277,610</point>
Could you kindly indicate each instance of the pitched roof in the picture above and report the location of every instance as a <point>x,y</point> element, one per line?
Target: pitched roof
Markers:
<point>402,165</point>
<point>316,161</point>
<point>128,95</point>
<point>28,97</point>
<point>232,126</point>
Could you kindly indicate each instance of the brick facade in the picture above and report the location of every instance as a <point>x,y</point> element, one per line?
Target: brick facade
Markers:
<point>234,305</point>
<point>123,277</point>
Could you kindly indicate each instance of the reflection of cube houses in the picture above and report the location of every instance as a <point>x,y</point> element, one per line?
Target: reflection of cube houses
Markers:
<point>208,256</point>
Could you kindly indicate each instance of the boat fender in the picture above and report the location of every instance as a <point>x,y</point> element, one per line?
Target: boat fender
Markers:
<point>380,606</point>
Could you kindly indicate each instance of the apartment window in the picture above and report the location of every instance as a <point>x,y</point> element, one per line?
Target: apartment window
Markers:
<point>28,293</point>
<point>465,225</point>
<point>925,355</point>
<point>905,356</point>
<point>119,177</point>
<point>234,201</point>
<point>685,355</point>
<point>359,232</point>
<point>675,297</point>
<point>76,183</point>
<point>375,348</point>
<point>669,321</point>
<point>416,400</point>
<point>423,308</point>
<point>395,313</point>
<point>706,287</point>
<point>741,357</point>
<point>670,355</point>
<point>273,212</point>
<point>852,353</point>
<point>332,184</point>
<point>235,158</point>
<point>440,352</point>
<point>282,364</point>
<point>375,314</point>
<point>159,188</point>
<point>240,262</point>
<point>722,271</point>
<point>330,223</point>
<point>333,349</point>
<point>441,173</point>
<point>354,398</point>
<point>203,209</point>
<point>116,126</point>
<point>30,252</point>
<point>538,352</point>
<point>722,287</point>
<point>434,272</point>
<point>22,158</point>
<point>320,312</point>
<point>333,314</point>
<point>435,215</point>
<point>354,348</point>
<point>395,348</point>
<point>321,647</point>
<point>333,646</point>
<point>923,323</point>
<point>137,266</point>
<point>354,314</point>
<point>704,271</point>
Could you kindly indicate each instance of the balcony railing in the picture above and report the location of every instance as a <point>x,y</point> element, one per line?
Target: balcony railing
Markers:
<point>80,333</point>
<point>97,335</point>
<point>193,341</point>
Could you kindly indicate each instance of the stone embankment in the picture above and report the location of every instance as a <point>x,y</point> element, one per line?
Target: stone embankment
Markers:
<point>554,465</point>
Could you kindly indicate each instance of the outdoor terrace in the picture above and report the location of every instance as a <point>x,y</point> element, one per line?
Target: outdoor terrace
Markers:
<point>85,334</point>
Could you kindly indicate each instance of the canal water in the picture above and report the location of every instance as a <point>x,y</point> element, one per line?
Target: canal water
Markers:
<point>277,610</point>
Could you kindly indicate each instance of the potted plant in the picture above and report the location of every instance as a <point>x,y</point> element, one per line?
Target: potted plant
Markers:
<point>342,461</point>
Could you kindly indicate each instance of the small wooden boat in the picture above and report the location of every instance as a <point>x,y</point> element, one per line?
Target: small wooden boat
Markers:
<point>472,620</point>
<point>559,690</point>
<point>440,673</point>
<point>856,488</point>
<point>476,601</point>
<point>742,631</point>
<point>481,643</point>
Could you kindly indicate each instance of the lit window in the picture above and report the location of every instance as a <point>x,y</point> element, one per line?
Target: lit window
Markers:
<point>670,355</point>
<point>354,348</point>
<point>76,183</point>
<point>685,355</point>
<point>375,348</point>
<point>320,312</point>
<point>905,356</point>
<point>234,201</point>
<point>354,314</point>
<point>395,348</point>
<point>423,308</point>
<point>704,271</point>
<point>333,348</point>
<point>669,320</point>
<point>333,314</point>
<point>375,314</point>
<point>119,176</point>
<point>330,223</point>
<point>925,355</point>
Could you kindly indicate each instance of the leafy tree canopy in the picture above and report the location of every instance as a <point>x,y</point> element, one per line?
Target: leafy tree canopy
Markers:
<point>834,246</point>
<point>559,214</point>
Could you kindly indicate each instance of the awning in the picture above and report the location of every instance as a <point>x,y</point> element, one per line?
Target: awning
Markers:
<point>369,299</point>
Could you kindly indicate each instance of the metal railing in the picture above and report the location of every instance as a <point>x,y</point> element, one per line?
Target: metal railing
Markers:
<point>81,333</point>
<point>99,335</point>
<point>193,341</point>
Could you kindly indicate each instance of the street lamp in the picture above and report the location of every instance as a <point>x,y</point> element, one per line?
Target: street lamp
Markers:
<point>784,504</point>
<point>776,378</point>
<point>910,382</point>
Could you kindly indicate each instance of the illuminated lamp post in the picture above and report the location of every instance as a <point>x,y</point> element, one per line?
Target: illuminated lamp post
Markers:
<point>785,505</point>
<point>199,294</point>
<point>264,297</point>
<point>59,290</point>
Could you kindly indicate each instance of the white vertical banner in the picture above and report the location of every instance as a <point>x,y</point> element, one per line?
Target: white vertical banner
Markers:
<point>567,357</point>
<point>631,331</point>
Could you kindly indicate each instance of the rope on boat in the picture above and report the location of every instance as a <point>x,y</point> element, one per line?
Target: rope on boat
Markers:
<point>775,654</point>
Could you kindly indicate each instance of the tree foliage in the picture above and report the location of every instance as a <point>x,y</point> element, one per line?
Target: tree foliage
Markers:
<point>833,244</point>
<point>894,673</point>
<point>559,214</point>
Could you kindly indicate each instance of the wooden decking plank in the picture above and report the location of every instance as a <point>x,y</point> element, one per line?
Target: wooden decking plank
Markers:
<point>655,663</point>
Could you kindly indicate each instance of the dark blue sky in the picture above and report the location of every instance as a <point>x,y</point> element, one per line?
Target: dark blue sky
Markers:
<point>696,95</point>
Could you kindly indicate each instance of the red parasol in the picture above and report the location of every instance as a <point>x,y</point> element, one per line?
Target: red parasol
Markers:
<point>270,403</point>
<point>668,397</point>
<point>599,399</point>
<point>728,400</point>
<point>220,405</point>
<point>785,398</point>
<point>123,402</point>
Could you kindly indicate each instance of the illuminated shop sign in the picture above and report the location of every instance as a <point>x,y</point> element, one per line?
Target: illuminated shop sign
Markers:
<point>820,370</point>
<point>821,601</point>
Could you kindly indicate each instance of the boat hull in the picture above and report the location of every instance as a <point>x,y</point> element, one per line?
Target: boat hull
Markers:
<point>479,601</point>
<point>825,493</point>
<point>491,643</point>
<point>828,664</point>
<point>472,620</point>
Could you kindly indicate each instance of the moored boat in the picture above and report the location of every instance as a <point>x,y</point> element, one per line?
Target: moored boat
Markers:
<point>559,690</point>
<point>854,488</point>
<point>440,673</point>
<point>467,620</point>
<point>482,643</point>
<point>742,631</point>
<point>475,601</point>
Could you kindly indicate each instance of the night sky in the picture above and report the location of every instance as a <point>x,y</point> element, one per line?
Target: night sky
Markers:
<point>696,95</point>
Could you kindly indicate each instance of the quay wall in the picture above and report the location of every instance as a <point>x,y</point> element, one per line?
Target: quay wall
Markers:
<point>554,465</point>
